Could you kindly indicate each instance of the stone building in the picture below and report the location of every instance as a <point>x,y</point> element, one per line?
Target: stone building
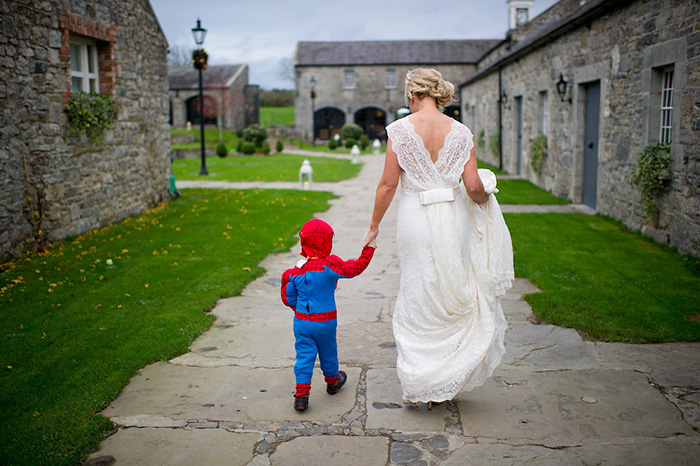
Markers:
<point>49,50</point>
<point>229,100</point>
<point>630,72</point>
<point>363,82</point>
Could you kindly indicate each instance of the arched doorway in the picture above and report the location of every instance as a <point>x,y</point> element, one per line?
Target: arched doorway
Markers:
<point>454,112</point>
<point>210,110</point>
<point>373,121</point>
<point>328,121</point>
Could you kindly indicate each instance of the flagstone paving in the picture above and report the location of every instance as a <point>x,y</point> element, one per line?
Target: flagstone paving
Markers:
<point>555,399</point>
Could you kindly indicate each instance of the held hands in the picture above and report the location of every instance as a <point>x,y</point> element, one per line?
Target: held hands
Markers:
<point>371,239</point>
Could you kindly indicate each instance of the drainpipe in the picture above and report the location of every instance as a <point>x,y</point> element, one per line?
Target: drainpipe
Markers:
<point>500,119</point>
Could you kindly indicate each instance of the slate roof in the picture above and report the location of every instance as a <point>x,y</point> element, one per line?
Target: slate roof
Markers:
<point>186,77</point>
<point>396,52</point>
<point>548,32</point>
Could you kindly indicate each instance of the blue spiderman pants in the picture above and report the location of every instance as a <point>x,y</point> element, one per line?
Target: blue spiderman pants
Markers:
<point>315,338</point>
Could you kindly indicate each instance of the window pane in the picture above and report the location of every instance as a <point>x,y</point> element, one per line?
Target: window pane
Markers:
<point>349,79</point>
<point>390,79</point>
<point>91,59</point>
<point>93,85</point>
<point>75,62</point>
<point>76,84</point>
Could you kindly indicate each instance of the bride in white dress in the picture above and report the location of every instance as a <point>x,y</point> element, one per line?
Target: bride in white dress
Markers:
<point>455,252</point>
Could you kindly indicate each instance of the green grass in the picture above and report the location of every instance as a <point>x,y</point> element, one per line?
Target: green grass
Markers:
<point>524,192</point>
<point>278,167</point>
<point>73,330</point>
<point>606,281</point>
<point>324,147</point>
<point>275,116</point>
<point>211,139</point>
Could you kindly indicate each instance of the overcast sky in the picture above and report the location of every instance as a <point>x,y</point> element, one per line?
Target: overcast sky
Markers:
<point>264,33</point>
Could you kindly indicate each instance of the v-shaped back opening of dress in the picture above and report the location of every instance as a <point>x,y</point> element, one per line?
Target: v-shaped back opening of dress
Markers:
<point>422,140</point>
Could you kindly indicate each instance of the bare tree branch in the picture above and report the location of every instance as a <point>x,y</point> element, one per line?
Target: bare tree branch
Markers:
<point>179,55</point>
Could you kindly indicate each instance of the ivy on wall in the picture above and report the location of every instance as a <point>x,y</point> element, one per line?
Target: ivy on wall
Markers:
<point>651,174</point>
<point>91,113</point>
<point>538,152</point>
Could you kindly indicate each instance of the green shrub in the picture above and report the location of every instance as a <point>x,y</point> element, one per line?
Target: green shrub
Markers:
<point>266,148</point>
<point>332,144</point>
<point>221,150</point>
<point>91,114</point>
<point>239,146</point>
<point>481,139</point>
<point>364,142</point>
<point>650,175</point>
<point>351,130</point>
<point>494,143</point>
<point>255,134</point>
<point>248,148</point>
<point>349,142</point>
<point>239,133</point>
<point>280,146</point>
<point>538,152</point>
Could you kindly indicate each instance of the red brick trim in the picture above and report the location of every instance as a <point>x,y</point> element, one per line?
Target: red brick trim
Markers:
<point>104,37</point>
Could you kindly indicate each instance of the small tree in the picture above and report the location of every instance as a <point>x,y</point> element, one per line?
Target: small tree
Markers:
<point>255,134</point>
<point>280,146</point>
<point>219,107</point>
<point>221,150</point>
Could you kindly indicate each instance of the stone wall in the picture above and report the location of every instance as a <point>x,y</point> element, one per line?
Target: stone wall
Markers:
<point>369,90</point>
<point>624,50</point>
<point>86,186</point>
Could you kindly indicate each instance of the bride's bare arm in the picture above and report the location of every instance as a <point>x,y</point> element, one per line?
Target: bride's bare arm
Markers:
<point>385,193</point>
<point>475,188</point>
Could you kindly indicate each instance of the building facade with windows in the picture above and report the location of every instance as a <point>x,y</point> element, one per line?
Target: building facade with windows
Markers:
<point>50,51</point>
<point>363,82</point>
<point>601,79</point>
<point>229,101</point>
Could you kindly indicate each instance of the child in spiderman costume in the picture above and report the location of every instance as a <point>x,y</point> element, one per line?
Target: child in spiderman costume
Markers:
<point>309,289</point>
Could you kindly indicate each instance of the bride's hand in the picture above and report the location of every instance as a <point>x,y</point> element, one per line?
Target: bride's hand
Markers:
<point>371,239</point>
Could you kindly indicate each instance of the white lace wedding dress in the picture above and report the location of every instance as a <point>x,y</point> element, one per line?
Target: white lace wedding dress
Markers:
<point>456,262</point>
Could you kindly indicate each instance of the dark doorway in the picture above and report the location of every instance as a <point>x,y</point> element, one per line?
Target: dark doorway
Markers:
<point>209,110</point>
<point>590,145</point>
<point>373,121</point>
<point>519,133</point>
<point>328,121</point>
<point>454,112</point>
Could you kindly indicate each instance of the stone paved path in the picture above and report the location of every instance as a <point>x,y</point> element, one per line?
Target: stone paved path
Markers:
<point>556,399</point>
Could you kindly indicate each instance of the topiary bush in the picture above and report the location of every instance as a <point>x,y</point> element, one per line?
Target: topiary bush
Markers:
<point>266,148</point>
<point>651,174</point>
<point>351,130</point>
<point>256,134</point>
<point>91,114</point>
<point>538,152</point>
<point>332,144</point>
<point>349,142</point>
<point>221,150</point>
<point>364,142</point>
<point>239,146</point>
<point>280,146</point>
<point>248,148</point>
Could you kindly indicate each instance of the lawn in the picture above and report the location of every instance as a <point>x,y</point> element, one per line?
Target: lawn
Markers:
<point>276,116</point>
<point>324,147</point>
<point>279,167</point>
<point>75,327</point>
<point>606,281</point>
<point>524,192</point>
<point>211,139</point>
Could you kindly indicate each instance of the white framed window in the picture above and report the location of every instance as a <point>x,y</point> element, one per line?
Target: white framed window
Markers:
<point>544,113</point>
<point>349,81</point>
<point>390,79</point>
<point>83,65</point>
<point>666,110</point>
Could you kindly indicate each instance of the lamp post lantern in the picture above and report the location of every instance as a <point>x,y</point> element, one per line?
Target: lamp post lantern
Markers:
<point>199,60</point>
<point>313,111</point>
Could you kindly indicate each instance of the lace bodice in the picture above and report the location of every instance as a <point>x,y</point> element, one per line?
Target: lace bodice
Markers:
<point>419,171</point>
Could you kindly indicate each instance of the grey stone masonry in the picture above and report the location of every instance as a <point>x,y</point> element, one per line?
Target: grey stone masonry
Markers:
<point>625,47</point>
<point>87,185</point>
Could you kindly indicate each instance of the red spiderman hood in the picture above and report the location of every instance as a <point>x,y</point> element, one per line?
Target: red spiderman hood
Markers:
<point>316,238</point>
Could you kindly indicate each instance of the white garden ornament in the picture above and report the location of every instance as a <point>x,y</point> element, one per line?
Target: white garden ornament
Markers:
<point>305,176</point>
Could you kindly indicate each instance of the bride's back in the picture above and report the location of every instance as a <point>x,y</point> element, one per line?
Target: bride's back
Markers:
<point>433,128</point>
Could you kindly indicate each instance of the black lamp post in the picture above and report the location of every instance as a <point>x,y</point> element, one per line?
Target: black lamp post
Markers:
<point>199,59</point>
<point>561,88</point>
<point>313,111</point>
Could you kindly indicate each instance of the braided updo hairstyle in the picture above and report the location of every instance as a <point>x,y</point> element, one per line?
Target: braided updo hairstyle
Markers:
<point>423,82</point>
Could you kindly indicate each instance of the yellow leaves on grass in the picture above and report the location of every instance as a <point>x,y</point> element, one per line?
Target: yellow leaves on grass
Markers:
<point>146,285</point>
<point>125,251</point>
<point>247,269</point>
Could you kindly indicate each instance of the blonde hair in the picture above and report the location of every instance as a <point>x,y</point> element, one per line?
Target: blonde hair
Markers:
<point>423,82</point>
